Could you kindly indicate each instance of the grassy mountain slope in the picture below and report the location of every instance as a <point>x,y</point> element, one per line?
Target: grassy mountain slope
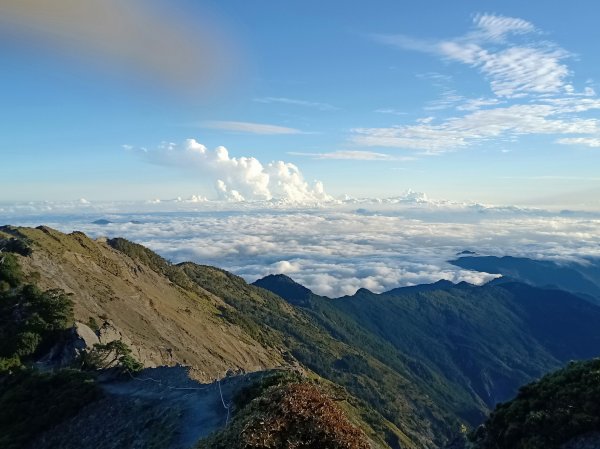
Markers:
<point>271,319</point>
<point>415,363</point>
<point>164,322</point>
<point>214,321</point>
<point>466,347</point>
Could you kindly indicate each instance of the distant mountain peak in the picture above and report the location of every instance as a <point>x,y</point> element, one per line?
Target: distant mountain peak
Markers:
<point>438,285</point>
<point>466,252</point>
<point>286,287</point>
<point>362,291</point>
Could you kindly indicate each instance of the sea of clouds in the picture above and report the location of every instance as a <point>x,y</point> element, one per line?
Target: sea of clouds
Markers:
<point>333,248</point>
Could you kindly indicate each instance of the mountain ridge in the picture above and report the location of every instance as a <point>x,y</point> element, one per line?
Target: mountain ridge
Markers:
<point>518,306</point>
<point>577,278</point>
<point>417,365</point>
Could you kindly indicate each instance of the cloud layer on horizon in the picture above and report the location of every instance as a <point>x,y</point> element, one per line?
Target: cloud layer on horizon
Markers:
<point>335,252</point>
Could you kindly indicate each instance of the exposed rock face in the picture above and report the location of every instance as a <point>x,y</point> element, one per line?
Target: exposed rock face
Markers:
<point>79,338</point>
<point>84,337</point>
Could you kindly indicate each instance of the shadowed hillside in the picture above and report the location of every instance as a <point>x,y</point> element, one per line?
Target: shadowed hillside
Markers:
<point>468,347</point>
<point>579,278</point>
<point>562,410</point>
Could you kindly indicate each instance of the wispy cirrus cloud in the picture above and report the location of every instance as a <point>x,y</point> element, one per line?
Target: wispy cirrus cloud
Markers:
<point>498,27</point>
<point>513,69</point>
<point>354,155</point>
<point>249,127</point>
<point>457,132</point>
<point>295,102</point>
<point>529,82</point>
<point>390,111</point>
<point>554,178</point>
<point>592,142</point>
<point>475,104</point>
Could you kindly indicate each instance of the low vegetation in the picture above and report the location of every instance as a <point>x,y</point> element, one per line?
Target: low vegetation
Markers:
<point>115,354</point>
<point>151,259</point>
<point>547,413</point>
<point>31,403</point>
<point>288,413</point>
<point>31,322</point>
<point>375,386</point>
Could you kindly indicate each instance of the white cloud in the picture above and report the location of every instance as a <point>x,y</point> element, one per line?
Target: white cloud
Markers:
<point>512,69</point>
<point>353,155</point>
<point>516,70</point>
<point>457,132</point>
<point>498,27</point>
<point>391,111</point>
<point>239,178</point>
<point>406,42</point>
<point>592,142</point>
<point>475,104</point>
<point>291,101</point>
<point>249,127</point>
<point>449,98</point>
<point>527,75</point>
<point>336,250</point>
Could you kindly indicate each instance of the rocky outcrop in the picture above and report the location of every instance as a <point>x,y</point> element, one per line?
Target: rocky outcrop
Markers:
<point>63,354</point>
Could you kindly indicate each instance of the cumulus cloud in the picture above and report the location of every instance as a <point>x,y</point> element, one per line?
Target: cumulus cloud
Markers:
<point>131,36</point>
<point>239,178</point>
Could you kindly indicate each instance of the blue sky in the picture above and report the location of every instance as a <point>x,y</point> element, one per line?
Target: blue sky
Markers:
<point>495,102</point>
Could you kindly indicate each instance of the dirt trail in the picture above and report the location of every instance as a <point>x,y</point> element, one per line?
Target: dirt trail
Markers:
<point>157,408</point>
<point>203,408</point>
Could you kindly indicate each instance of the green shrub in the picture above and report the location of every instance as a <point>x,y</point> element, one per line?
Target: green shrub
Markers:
<point>31,403</point>
<point>32,320</point>
<point>14,245</point>
<point>10,272</point>
<point>93,324</point>
<point>546,413</point>
<point>115,354</point>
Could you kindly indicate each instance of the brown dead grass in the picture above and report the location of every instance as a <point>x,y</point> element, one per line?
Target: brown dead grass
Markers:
<point>291,416</point>
<point>163,323</point>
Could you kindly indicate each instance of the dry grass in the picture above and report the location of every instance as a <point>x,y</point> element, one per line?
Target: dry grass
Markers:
<point>162,322</point>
